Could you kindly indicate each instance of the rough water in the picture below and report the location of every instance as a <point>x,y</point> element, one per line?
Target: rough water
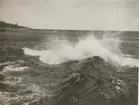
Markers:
<point>69,68</point>
<point>61,50</point>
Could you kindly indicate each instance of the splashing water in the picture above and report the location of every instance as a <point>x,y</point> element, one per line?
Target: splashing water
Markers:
<point>61,50</point>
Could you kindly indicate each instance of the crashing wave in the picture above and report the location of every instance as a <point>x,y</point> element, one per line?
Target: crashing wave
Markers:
<point>62,50</point>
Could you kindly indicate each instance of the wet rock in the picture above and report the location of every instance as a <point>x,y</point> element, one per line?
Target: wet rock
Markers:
<point>95,67</point>
<point>93,81</point>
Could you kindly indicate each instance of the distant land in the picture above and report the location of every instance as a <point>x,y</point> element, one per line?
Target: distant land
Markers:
<point>8,26</point>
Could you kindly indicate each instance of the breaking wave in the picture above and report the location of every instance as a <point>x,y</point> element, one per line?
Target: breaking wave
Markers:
<point>61,50</point>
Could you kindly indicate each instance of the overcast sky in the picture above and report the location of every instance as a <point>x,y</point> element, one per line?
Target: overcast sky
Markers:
<point>72,14</point>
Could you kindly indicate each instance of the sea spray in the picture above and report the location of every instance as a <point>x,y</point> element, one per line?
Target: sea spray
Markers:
<point>61,50</point>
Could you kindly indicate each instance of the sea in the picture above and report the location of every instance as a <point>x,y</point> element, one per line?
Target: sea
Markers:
<point>33,61</point>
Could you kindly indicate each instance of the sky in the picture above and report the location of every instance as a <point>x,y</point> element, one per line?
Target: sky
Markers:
<point>72,14</point>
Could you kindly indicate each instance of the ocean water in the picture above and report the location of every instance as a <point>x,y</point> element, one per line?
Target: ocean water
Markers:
<point>114,47</point>
<point>35,63</point>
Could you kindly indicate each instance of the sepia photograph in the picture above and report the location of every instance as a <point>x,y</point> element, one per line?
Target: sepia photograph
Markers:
<point>69,52</point>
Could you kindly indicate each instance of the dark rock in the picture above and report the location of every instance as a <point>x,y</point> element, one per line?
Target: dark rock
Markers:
<point>93,81</point>
<point>95,67</point>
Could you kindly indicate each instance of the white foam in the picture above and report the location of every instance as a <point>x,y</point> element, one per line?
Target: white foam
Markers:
<point>7,63</point>
<point>62,50</point>
<point>118,87</point>
<point>3,99</point>
<point>14,68</point>
<point>13,80</point>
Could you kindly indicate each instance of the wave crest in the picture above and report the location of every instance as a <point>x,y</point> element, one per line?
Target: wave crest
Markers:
<point>62,50</point>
